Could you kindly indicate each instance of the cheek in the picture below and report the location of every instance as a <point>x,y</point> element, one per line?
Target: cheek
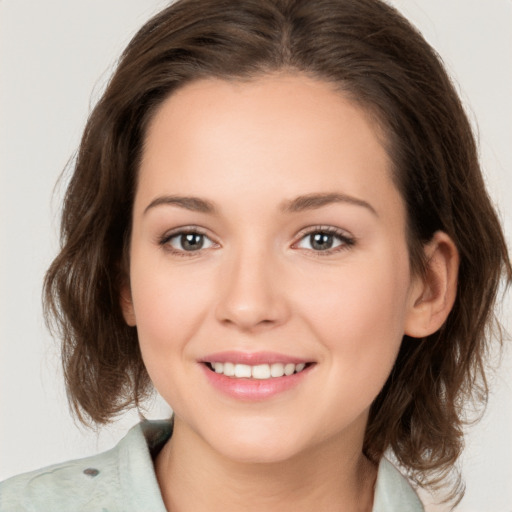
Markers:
<point>168,312</point>
<point>361,295</point>
<point>359,315</point>
<point>169,307</point>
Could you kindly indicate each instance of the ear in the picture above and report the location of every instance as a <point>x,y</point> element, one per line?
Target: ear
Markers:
<point>432,295</point>
<point>127,304</point>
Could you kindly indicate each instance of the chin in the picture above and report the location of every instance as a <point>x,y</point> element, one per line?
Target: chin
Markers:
<point>257,444</point>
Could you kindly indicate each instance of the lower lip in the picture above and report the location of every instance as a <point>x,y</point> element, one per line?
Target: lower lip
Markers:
<point>253,389</point>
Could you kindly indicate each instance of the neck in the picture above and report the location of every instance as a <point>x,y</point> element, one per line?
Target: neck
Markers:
<point>329,477</point>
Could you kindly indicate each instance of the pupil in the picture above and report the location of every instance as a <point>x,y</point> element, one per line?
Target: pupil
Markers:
<point>192,241</point>
<point>321,241</point>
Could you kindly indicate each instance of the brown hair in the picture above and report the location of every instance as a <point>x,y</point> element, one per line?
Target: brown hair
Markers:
<point>380,61</point>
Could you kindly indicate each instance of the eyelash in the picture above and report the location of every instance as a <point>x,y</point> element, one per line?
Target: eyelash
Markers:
<point>190,230</point>
<point>346,240</point>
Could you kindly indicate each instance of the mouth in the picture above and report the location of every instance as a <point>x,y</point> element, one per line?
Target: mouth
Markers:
<point>255,376</point>
<point>262,371</point>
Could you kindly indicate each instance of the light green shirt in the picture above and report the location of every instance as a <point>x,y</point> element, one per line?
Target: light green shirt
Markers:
<point>123,480</point>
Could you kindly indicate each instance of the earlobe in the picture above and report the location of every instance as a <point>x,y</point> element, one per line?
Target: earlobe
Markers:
<point>433,294</point>
<point>127,305</point>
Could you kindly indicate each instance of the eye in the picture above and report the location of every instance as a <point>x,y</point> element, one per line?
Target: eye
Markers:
<point>187,241</point>
<point>325,240</point>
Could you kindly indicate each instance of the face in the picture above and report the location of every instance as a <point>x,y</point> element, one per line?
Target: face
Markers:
<point>269,272</point>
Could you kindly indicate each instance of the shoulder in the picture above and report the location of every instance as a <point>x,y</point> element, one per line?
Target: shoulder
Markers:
<point>113,480</point>
<point>393,492</point>
<point>64,486</point>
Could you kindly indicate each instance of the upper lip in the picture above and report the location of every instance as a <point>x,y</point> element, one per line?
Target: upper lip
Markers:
<point>251,358</point>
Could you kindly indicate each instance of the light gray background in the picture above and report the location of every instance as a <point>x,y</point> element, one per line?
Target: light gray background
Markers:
<point>56,56</point>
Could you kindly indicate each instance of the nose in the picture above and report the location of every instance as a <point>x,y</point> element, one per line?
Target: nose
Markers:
<point>252,295</point>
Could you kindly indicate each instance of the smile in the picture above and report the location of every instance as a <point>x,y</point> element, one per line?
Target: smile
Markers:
<point>259,371</point>
<point>255,376</point>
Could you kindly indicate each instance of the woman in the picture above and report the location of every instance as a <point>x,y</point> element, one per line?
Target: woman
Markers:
<point>276,208</point>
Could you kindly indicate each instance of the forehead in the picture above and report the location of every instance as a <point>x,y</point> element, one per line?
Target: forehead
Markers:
<point>283,132</point>
<point>294,104</point>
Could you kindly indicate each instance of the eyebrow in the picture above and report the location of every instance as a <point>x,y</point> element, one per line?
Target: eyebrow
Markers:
<point>194,204</point>
<point>313,201</point>
<point>299,204</point>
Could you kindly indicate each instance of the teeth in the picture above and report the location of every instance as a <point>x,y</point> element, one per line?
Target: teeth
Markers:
<point>229,369</point>
<point>289,369</point>
<point>259,371</point>
<point>277,370</point>
<point>242,370</point>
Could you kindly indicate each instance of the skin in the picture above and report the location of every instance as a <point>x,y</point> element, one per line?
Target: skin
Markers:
<point>249,150</point>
